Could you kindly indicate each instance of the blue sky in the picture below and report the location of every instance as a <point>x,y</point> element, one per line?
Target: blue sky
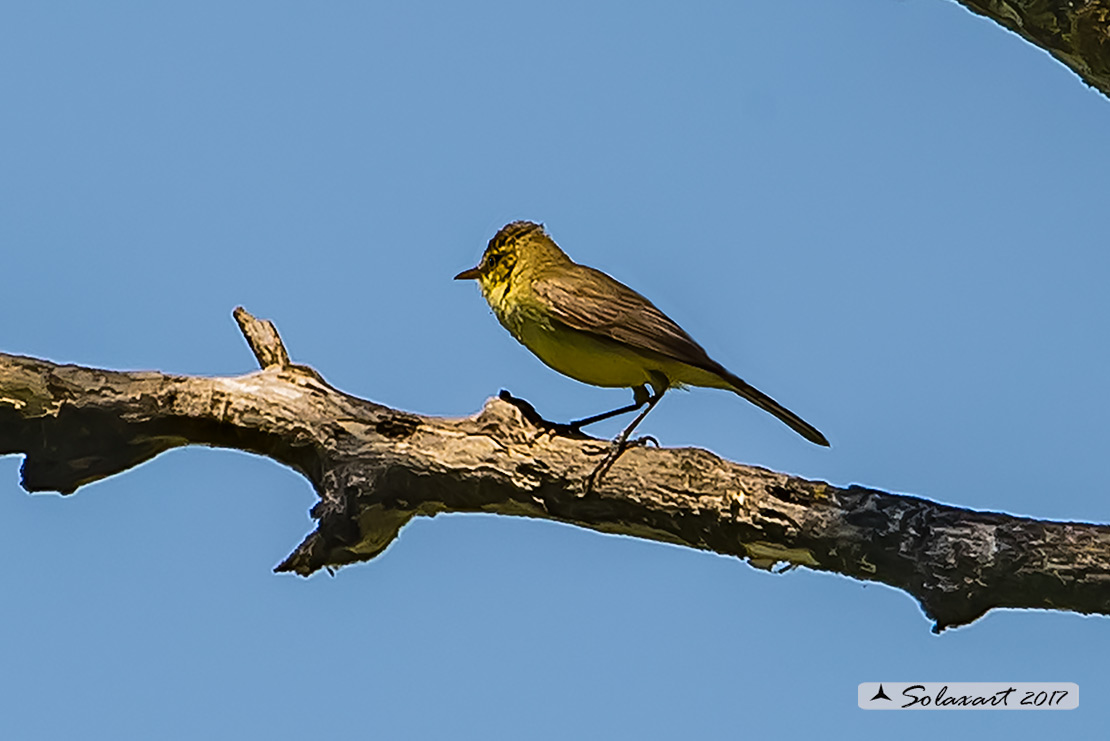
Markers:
<point>891,216</point>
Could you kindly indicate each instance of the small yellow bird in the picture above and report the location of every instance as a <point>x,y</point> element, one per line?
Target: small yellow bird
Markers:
<point>594,329</point>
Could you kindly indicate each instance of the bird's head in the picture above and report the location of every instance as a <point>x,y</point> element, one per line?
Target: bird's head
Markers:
<point>515,248</point>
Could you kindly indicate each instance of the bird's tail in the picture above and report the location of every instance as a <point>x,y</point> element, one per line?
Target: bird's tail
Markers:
<point>766,403</point>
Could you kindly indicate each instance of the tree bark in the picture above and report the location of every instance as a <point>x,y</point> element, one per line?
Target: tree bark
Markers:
<point>375,468</point>
<point>1076,32</point>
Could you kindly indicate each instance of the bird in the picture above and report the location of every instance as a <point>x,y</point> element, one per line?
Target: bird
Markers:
<point>587,325</point>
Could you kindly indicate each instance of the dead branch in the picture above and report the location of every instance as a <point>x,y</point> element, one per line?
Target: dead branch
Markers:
<point>375,468</point>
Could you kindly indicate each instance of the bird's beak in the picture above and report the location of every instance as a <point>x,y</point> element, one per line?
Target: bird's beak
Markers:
<point>471,274</point>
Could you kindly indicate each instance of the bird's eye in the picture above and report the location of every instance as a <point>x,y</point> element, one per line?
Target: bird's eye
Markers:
<point>493,260</point>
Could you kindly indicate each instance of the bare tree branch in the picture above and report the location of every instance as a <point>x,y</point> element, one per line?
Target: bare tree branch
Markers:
<point>1076,32</point>
<point>375,468</point>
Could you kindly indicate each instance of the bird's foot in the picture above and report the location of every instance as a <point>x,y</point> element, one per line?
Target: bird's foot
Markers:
<point>640,442</point>
<point>565,429</point>
<point>612,452</point>
<point>602,468</point>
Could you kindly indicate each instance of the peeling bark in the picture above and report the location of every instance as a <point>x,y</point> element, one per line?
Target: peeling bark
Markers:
<point>375,468</point>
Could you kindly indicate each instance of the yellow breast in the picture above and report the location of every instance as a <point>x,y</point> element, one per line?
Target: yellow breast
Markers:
<point>585,357</point>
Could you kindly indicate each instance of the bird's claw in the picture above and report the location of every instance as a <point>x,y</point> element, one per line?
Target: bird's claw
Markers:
<point>614,452</point>
<point>529,413</point>
<point>603,466</point>
<point>562,429</point>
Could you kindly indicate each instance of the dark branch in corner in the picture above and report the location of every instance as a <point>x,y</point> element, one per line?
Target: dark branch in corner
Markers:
<point>1075,32</point>
<point>375,468</point>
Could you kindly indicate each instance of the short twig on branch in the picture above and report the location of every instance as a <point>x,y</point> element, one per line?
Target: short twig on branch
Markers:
<point>375,468</point>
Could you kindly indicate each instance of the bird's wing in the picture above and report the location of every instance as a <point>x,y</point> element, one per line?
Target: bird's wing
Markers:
<point>595,303</point>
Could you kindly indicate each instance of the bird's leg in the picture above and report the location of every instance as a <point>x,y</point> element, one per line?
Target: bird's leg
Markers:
<point>640,396</point>
<point>620,442</point>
